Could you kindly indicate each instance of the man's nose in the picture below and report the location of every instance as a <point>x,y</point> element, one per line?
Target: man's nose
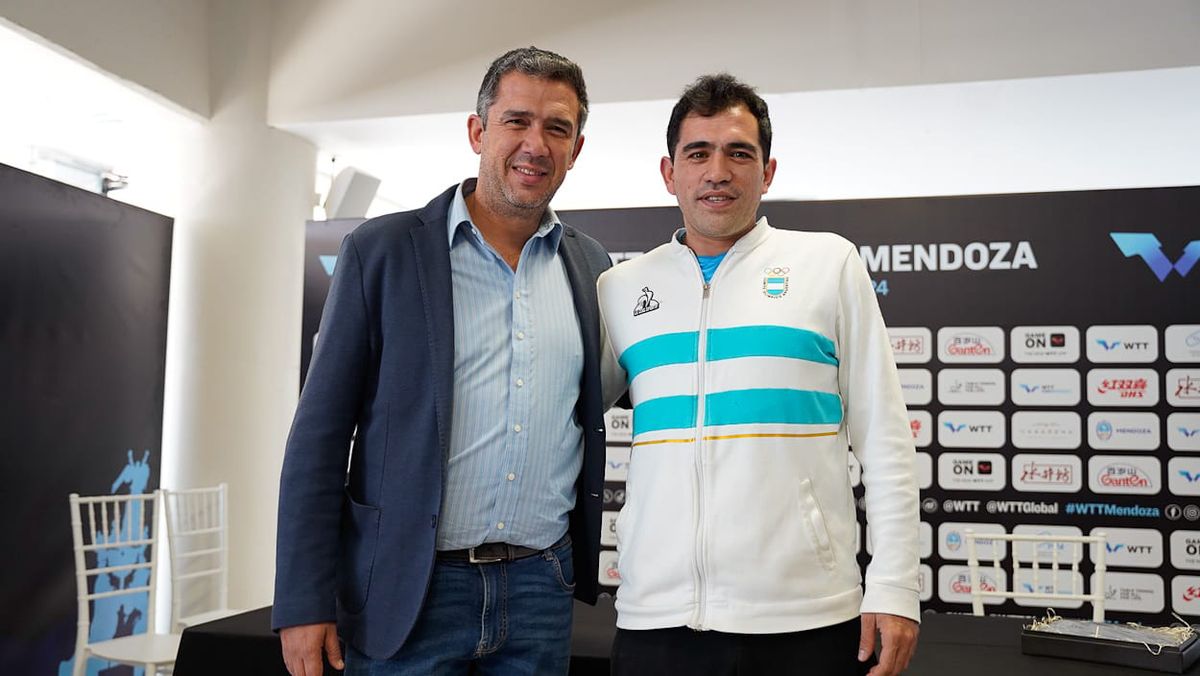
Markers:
<point>717,169</point>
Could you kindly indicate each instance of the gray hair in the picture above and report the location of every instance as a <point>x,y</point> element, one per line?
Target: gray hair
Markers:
<point>534,62</point>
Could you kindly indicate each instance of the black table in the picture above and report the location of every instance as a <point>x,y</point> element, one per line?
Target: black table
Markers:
<point>950,645</point>
<point>244,644</point>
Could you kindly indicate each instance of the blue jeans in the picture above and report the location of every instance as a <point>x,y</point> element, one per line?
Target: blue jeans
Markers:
<point>488,618</point>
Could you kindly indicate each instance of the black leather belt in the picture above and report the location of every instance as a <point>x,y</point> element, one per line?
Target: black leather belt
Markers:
<point>494,552</point>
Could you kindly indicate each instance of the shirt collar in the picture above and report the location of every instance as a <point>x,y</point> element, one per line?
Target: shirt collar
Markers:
<point>753,237</point>
<point>459,218</point>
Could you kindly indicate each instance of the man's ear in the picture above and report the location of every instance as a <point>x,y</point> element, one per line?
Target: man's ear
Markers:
<point>475,132</point>
<point>768,174</point>
<point>667,167</point>
<point>575,152</point>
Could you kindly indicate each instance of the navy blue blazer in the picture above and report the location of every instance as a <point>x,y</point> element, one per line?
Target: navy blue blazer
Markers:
<point>360,547</point>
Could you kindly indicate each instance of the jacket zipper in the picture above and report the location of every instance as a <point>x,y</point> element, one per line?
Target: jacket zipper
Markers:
<point>701,361</point>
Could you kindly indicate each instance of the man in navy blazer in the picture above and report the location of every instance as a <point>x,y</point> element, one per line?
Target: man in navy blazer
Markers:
<point>460,350</point>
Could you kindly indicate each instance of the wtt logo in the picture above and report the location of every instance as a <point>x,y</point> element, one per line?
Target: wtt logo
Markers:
<point>1148,247</point>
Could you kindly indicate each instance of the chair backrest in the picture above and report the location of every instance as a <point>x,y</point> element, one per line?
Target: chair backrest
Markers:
<point>1039,584</point>
<point>198,537</point>
<point>115,563</point>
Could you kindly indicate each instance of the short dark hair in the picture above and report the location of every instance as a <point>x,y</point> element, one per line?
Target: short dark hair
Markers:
<point>534,62</point>
<point>712,94</point>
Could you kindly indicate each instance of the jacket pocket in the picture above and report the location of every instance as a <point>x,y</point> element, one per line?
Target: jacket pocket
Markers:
<point>814,523</point>
<point>359,537</point>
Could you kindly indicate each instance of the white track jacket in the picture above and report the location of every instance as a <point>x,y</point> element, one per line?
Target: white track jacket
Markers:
<point>747,393</point>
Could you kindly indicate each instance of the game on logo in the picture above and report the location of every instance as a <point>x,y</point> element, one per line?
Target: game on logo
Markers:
<point>1146,246</point>
<point>971,471</point>
<point>1044,344</point>
<point>1185,549</point>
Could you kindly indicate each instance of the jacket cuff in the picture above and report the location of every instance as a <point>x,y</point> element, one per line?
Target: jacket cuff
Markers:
<point>882,598</point>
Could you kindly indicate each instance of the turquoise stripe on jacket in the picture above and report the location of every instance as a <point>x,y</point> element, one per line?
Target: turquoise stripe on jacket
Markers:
<point>730,343</point>
<point>739,407</point>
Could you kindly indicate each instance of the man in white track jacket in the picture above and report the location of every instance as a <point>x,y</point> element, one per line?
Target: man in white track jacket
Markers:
<point>755,359</point>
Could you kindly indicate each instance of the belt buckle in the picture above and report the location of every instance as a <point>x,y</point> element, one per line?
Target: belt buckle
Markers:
<point>487,559</point>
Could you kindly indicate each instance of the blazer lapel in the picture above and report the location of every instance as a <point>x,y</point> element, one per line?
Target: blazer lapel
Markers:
<point>437,299</point>
<point>583,292</point>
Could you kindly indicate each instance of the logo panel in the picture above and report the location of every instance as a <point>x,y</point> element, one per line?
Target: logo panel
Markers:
<point>1130,547</point>
<point>1044,344</point>
<point>1185,594</point>
<point>1183,343</point>
<point>1048,582</point>
<point>916,385</point>
<point>1185,549</point>
<point>971,471</point>
<point>616,466</point>
<point>921,424</point>
<point>1047,429</point>
<point>1046,387</point>
<point>608,528</point>
<point>971,429</point>
<point>1048,552</point>
<point>608,575</point>
<point>1133,592</point>
<point>1183,387</point>
<point>1122,344</point>
<point>1123,431</point>
<point>1122,387</point>
<point>1125,474</point>
<point>952,545</point>
<point>911,345</point>
<point>954,584</point>
<point>1183,431</point>
<point>924,582</point>
<point>924,470</point>
<point>618,423</point>
<point>1183,475</point>
<point>775,282</point>
<point>970,344</point>
<point>1047,473</point>
<point>971,387</point>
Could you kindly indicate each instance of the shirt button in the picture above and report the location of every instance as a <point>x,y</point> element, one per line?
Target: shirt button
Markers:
<point>517,295</point>
<point>511,476</point>
<point>500,526</point>
<point>517,427</point>
<point>520,335</point>
<point>520,382</point>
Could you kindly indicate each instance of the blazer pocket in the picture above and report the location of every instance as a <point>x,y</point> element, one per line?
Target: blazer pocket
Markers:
<point>360,534</point>
<point>814,523</point>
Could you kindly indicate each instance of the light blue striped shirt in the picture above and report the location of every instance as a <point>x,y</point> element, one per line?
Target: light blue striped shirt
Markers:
<point>515,446</point>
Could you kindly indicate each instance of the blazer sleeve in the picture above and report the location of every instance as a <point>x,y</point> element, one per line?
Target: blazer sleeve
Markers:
<point>314,466</point>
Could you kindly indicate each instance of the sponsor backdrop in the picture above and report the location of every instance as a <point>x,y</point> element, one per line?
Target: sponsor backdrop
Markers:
<point>83,329</point>
<point>1049,353</point>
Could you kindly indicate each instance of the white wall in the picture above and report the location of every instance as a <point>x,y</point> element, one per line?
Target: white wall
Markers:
<point>157,46</point>
<point>352,59</point>
<point>1114,130</point>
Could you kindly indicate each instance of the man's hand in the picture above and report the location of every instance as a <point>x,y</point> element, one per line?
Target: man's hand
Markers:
<point>302,646</point>
<point>899,640</point>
